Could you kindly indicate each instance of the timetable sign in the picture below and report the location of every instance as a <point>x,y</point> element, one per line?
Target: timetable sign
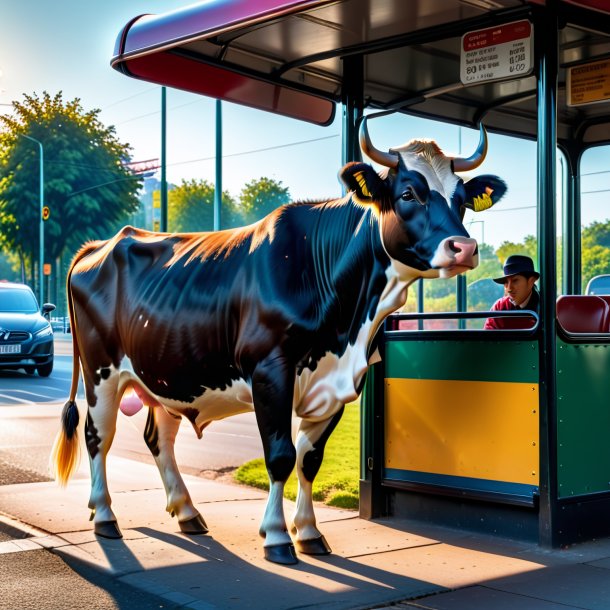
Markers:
<point>589,83</point>
<point>497,53</point>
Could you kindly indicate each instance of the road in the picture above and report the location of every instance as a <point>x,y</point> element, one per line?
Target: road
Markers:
<point>29,417</point>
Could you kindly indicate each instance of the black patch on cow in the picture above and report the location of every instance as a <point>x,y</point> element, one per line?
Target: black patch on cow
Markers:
<point>105,373</point>
<point>280,456</point>
<point>190,414</point>
<point>151,433</point>
<point>92,438</point>
<point>312,460</point>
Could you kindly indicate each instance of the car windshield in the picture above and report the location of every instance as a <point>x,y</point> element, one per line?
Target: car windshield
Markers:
<point>17,300</point>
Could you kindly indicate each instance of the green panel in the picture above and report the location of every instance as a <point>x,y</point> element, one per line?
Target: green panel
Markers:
<point>509,361</point>
<point>583,418</point>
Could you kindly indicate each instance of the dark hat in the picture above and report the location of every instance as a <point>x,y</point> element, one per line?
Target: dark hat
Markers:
<point>517,264</point>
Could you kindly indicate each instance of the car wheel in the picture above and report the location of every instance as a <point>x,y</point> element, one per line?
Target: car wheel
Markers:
<point>29,370</point>
<point>44,370</point>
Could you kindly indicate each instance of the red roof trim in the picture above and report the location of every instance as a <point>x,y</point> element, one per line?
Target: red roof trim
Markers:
<point>169,69</point>
<point>141,51</point>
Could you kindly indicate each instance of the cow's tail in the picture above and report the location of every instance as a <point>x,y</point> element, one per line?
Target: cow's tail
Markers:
<point>65,455</point>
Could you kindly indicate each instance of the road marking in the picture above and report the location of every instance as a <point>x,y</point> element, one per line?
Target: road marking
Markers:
<point>30,393</point>
<point>15,399</point>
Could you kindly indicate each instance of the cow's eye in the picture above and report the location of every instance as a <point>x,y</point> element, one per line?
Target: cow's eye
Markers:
<point>408,195</point>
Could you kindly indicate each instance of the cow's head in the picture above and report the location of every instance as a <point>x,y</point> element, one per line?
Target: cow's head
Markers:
<point>421,203</point>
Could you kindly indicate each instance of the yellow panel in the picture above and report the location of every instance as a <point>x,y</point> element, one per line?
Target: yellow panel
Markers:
<point>479,429</point>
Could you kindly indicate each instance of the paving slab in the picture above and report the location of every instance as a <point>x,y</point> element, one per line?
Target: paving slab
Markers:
<point>483,598</point>
<point>450,566</point>
<point>581,585</point>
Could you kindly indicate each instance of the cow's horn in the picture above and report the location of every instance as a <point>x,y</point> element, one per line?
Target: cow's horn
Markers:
<point>472,162</point>
<point>383,158</point>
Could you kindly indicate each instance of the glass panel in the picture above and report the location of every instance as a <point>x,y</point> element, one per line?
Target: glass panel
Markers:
<point>595,219</point>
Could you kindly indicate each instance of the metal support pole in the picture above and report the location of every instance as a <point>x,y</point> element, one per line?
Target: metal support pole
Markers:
<point>461,298</point>
<point>572,254</point>
<point>163,160</point>
<point>218,178</point>
<point>40,223</point>
<point>420,302</point>
<point>547,66</point>
<point>352,99</point>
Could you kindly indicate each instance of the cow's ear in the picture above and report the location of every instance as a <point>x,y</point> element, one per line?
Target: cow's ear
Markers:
<point>363,180</point>
<point>482,192</point>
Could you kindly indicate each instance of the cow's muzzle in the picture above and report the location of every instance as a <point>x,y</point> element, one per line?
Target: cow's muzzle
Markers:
<point>455,255</point>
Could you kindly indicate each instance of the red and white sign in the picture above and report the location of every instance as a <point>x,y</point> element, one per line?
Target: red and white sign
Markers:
<point>497,53</point>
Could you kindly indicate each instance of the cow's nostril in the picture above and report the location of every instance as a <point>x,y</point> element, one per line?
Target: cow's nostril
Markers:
<point>452,246</point>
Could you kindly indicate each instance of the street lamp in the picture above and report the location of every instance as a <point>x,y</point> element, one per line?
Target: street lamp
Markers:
<point>473,222</point>
<point>41,221</point>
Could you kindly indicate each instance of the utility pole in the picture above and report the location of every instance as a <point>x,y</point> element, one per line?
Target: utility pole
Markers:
<point>163,160</point>
<point>218,180</point>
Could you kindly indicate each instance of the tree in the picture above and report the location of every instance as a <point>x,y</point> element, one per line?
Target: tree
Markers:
<point>595,261</point>
<point>597,233</point>
<point>86,186</point>
<point>260,197</point>
<point>191,207</point>
<point>595,251</point>
<point>529,247</point>
<point>8,268</point>
<point>482,290</point>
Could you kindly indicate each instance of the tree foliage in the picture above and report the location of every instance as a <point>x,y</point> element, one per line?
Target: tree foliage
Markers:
<point>260,197</point>
<point>191,204</point>
<point>596,234</point>
<point>529,247</point>
<point>191,207</point>
<point>86,186</point>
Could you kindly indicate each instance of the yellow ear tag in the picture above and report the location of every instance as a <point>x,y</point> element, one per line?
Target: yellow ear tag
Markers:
<point>359,176</point>
<point>483,202</point>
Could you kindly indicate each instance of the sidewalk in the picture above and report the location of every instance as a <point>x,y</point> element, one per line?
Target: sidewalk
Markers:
<point>374,563</point>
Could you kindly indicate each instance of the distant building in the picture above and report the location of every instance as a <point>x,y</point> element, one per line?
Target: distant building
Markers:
<point>149,215</point>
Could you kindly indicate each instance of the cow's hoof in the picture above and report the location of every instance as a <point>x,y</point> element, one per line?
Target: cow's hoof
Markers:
<point>195,525</point>
<point>314,546</point>
<point>107,529</point>
<point>281,553</point>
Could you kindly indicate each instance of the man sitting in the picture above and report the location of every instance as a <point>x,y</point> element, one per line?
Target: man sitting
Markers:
<point>519,293</point>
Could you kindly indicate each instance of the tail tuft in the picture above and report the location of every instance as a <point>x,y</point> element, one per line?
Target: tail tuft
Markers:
<point>70,418</point>
<point>65,454</point>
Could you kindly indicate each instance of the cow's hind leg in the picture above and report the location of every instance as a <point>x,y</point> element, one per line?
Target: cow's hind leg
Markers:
<point>272,391</point>
<point>100,428</point>
<point>311,440</point>
<point>159,435</point>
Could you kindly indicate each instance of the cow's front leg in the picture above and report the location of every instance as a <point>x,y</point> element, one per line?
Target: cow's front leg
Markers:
<point>100,428</point>
<point>272,391</point>
<point>160,435</point>
<point>311,440</point>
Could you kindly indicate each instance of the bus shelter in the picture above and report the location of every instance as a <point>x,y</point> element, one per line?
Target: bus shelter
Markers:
<point>441,439</point>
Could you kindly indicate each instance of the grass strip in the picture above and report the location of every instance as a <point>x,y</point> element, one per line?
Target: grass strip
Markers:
<point>338,480</point>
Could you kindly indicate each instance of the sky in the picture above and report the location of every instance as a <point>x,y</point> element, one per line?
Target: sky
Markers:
<point>67,46</point>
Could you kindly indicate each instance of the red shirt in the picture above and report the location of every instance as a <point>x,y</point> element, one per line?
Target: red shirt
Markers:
<point>505,304</point>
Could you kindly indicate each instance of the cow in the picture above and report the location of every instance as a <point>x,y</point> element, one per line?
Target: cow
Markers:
<point>279,317</point>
